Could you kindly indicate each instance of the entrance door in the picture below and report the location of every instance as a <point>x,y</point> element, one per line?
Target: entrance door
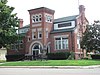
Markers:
<point>35,52</point>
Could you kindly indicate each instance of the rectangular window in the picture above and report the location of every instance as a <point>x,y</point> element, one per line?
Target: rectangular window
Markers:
<point>28,38</point>
<point>17,45</point>
<point>36,18</point>
<point>20,44</point>
<point>39,34</point>
<point>78,42</point>
<point>40,17</point>
<point>64,25</point>
<point>58,43</point>
<point>64,43</point>
<point>33,35</point>
<point>14,46</point>
<point>48,18</point>
<point>33,18</point>
<point>61,43</point>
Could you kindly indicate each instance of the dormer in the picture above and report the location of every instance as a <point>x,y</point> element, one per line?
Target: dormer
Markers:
<point>65,22</point>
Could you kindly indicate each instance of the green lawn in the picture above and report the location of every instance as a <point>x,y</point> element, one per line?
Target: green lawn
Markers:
<point>53,63</point>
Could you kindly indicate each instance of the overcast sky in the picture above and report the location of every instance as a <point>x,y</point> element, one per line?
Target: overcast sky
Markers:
<point>62,8</point>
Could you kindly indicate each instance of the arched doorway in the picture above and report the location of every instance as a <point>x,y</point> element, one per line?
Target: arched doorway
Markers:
<point>33,44</point>
<point>36,50</point>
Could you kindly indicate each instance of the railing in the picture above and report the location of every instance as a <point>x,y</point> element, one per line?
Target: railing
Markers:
<point>35,57</point>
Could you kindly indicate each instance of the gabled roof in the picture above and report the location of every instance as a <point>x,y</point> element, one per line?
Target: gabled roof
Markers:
<point>26,26</point>
<point>65,19</point>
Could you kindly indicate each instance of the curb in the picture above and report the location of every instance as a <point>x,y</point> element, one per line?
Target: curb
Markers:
<point>54,67</point>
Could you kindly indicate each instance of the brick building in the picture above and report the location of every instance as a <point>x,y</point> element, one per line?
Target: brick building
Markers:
<point>53,35</point>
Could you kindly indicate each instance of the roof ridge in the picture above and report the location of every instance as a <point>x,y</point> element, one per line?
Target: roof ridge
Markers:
<point>66,17</point>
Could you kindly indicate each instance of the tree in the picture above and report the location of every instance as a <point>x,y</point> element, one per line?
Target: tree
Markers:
<point>91,37</point>
<point>8,24</point>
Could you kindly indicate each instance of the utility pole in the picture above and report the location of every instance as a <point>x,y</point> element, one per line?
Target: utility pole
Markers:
<point>78,3</point>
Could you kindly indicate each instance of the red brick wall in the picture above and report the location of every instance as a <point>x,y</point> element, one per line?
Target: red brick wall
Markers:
<point>44,25</point>
<point>20,23</point>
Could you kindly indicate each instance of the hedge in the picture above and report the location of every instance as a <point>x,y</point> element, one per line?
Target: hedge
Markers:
<point>16,57</point>
<point>95,56</point>
<point>58,55</point>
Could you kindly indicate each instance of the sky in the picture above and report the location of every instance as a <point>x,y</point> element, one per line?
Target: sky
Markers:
<point>62,8</point>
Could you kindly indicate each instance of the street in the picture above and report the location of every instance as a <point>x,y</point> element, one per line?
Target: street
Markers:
<point>51,71</point>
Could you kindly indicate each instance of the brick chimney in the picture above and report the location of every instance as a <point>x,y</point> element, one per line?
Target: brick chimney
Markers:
<point>81,9</point>
<point>20,23</point>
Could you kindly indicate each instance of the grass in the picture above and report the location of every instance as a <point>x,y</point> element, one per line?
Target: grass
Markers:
<point>53,63</point>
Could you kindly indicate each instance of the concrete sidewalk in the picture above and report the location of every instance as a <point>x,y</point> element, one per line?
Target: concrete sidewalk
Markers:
<point>55,67</point>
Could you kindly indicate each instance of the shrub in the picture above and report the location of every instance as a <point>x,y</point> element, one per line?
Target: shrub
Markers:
<point>95,56</point>
<point>1,61</point>
<point>71,56</point>
<point>58,55</point>
<point>85,58</point>
<point>16,57</point>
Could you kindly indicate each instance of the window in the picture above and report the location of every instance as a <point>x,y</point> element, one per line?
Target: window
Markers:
<point>33,35</point>
<point>78,42</point>
<point>36,18</point>
<point>49,18</point>
<point>61,43</point>
<point>39,34</point>
<point>13,46</point>
<point>17,45</point>
<point>64,43</point>
<point>64,25</point>
<point>28,38</point>
<point>20,44</point>
<point>58,43</point>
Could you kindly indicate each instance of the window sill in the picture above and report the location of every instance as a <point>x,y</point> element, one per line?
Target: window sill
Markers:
<point>61,49</point>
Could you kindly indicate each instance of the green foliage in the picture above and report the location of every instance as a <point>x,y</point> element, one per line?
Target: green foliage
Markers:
<point>91,38</point>
<point>97,56</point>
<point>58,55</point>
<point>16,57</point>
<point>8,24</point>
<point>71,56</point>
<point>2,61</point>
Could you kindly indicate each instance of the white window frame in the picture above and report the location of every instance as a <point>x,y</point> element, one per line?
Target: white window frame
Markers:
<point>28,38</point>
<point>36,17</point>
<point>33,31</point>
<point>59,45</point>
<point>39,32</point>
<point>72,25</point>
<point>33,34</point>
<point>21,44</point>
<point>78,43</point>
<point>48,18</point>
